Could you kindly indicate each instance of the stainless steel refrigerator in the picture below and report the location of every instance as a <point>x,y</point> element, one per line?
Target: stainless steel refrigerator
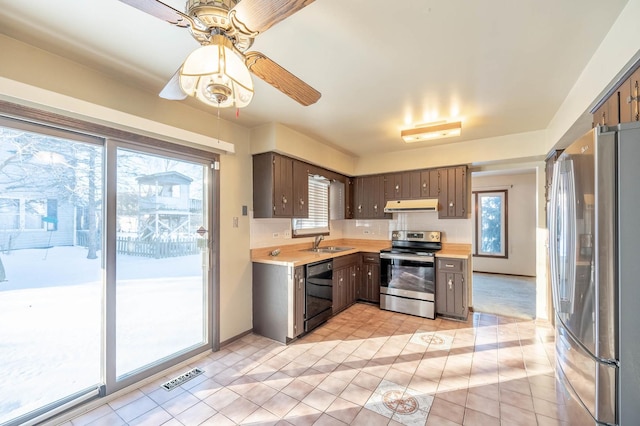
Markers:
<point>594,228</point>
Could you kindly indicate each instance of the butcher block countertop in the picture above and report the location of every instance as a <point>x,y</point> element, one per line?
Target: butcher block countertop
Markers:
<point>455,251</point>
<point>296,254</point>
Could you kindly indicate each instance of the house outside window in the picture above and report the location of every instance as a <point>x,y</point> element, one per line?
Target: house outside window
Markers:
<point>23,214</point>
<point>9,214</point>
<point>491,236</point>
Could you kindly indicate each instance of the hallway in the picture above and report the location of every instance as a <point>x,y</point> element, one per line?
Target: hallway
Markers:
<point>507,295</point>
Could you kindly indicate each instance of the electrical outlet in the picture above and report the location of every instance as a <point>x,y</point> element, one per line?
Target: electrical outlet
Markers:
<point>276,235</point>
<point>366,231</point>
<point>287,234</point>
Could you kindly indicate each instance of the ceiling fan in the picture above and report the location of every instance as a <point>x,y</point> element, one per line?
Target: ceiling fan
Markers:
<point>217,73</point>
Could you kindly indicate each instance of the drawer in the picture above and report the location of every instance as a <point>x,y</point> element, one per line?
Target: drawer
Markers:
<point>451,265</point>
<point>371,257</point>
<point>342,261</point>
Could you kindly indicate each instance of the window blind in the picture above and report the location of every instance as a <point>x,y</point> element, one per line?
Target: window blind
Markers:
<point>318,220</point>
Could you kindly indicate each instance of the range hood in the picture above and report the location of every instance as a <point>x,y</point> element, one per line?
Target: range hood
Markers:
<point>424,205</point>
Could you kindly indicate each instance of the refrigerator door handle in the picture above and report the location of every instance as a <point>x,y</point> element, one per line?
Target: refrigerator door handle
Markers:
<point>553,243</point>
<point>562,253</point>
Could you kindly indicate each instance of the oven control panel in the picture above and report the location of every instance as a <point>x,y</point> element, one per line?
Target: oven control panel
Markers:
<point>428,236</point>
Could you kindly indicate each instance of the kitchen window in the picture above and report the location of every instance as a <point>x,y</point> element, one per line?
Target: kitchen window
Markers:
<point>490,238</point>
<point>318,220</point>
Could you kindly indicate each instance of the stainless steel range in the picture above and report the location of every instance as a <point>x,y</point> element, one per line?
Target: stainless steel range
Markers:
<point>407,273</point>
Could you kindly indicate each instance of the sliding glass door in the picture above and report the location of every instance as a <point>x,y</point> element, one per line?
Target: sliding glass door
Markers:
<point>161,258</point>
<point>106,264</point>
<point>51,277</point>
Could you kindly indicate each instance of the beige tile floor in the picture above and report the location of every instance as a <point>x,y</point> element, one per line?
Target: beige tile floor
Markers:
<point>363,367</point>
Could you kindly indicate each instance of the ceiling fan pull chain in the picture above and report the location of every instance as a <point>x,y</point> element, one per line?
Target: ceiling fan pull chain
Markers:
<point>218,121</point>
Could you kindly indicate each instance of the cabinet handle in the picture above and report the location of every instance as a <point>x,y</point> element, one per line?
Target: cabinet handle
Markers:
<point>284,200</point>
<point>397,187</point>
<point>448,265</point>
<point>369,273</point>
<point>301,202</point>
<point>424,184</point>
<point>450,203</point>
<point>375,207</point>
<point>450,284</point>
<point>635,99</point>
<point>360,207</point>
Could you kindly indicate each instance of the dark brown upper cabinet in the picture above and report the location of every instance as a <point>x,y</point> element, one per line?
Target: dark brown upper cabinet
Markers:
<point>274,181</point>
<point>369,197</point>
<point>453,198</point>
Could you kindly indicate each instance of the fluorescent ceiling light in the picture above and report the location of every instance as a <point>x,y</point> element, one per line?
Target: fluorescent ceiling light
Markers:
<point>437,130</point>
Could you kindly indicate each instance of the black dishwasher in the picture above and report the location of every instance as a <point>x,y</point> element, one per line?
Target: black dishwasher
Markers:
<point>318,294</point>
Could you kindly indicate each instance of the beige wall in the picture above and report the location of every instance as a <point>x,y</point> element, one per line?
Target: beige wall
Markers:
<point>279,138</point>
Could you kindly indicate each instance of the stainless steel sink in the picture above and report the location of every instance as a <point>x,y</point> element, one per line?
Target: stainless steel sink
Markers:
<point>328,249</point>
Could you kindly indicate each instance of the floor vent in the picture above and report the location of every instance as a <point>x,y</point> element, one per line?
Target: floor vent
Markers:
<point>184,377</point>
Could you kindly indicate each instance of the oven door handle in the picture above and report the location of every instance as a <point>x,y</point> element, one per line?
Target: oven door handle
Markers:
<point>413,257</point>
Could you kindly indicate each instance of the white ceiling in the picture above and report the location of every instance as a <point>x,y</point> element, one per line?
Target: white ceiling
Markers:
<point>505,66</point>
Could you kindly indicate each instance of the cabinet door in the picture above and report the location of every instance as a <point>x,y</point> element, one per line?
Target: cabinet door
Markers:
<point>451,297</point>
<point>453,193</point>
<point>371,282</point>
<point>300,199</point>
<point>412,189</point>
<point>393,186</point>
<point>629,98</point>
<point>609,112</point>
<point>441,293</point>
<point>349,198</point>
<point>299,308</point>
<point>282,186</point>
<point>352,287</point>
<point>378,201</point>
<point>369,197</point>
<point>339,289</point>
<point>358,197</point>
<point>373,275</point>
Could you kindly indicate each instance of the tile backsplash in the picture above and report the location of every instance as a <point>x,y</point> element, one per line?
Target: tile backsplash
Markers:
<point>275,232</point>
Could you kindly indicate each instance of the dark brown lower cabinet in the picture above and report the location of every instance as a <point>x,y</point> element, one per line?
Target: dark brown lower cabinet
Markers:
<point>451,288</point>
<point>345,274</point>
<point>370,278</point>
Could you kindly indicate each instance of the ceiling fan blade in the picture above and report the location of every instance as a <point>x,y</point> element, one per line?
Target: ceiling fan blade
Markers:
<point>281,79</point>
<point>162,11</point>
<point>257,16</point>
<point>172,91</point>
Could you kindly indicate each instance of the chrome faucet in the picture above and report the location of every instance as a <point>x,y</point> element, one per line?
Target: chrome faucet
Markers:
<point>316,242</point>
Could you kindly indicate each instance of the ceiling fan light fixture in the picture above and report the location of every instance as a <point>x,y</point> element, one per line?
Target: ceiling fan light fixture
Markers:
<point>216,75</point>
<point>435,130</point>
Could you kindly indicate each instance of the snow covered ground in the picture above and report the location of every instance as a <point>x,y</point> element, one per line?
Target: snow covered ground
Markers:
<point>51,320</point>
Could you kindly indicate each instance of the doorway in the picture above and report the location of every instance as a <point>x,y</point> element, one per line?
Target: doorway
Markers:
<point>504,206</point>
